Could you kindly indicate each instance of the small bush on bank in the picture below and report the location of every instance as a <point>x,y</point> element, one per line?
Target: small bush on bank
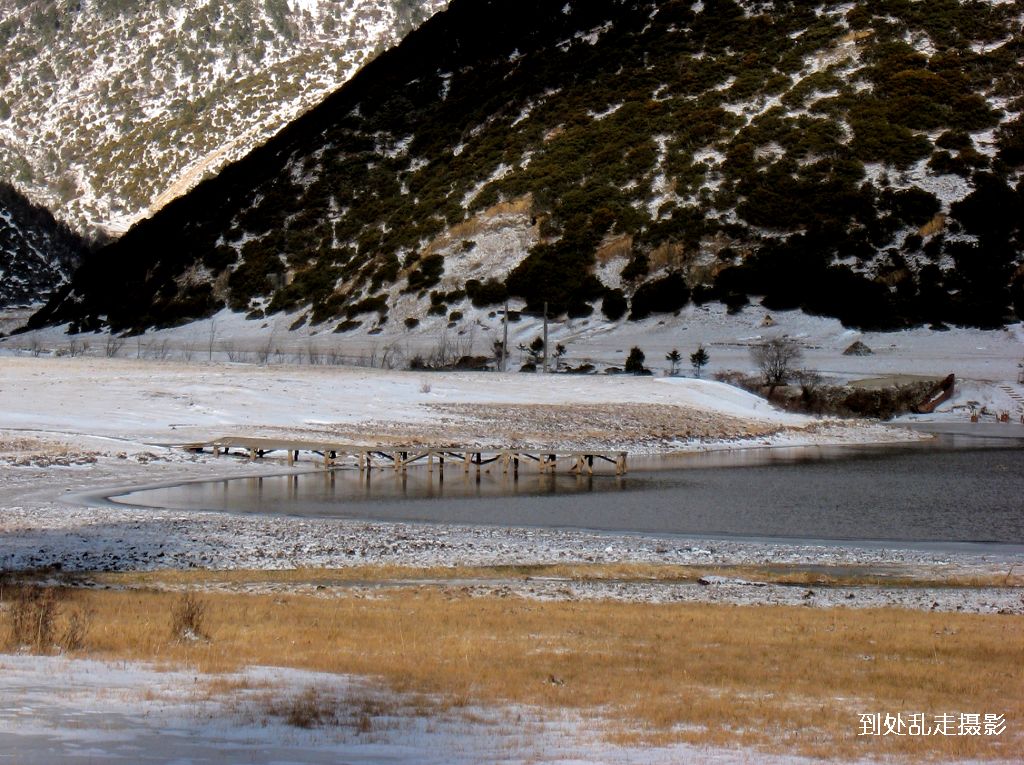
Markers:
<point>188,618</point>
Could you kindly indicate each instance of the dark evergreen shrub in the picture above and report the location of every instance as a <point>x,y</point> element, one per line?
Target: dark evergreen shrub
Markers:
<point>385,273</point>
<point>427,273</point>
<point>579,310</point>
<point>253,278</point>
<point>483,294</point>
<point>913,206</point>
<point>637,267</point>
<point>635,361</point>
<point>665,295</point>
<point>219,258</point>
<point>993,209</point>
<point>1011,143</point>
<point>614,305</point>
<point>377,303</point>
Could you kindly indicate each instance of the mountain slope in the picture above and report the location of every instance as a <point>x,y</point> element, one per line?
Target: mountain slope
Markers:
<point>36,252</point>
<point>860,160</point>
<point>108,107</point>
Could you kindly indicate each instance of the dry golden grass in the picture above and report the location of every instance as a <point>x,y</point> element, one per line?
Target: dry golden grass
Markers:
<point>854,36</point>
<point>669,254</point>
<point>775,678</point>
<point>22,445</point>
<point>620,246</point>
<point>471,227</point>
<point>934,226</point>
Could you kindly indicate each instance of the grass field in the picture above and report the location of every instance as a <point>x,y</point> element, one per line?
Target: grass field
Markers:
<point>778,679</point>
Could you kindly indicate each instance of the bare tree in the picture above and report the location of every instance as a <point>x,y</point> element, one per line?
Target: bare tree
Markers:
<point>443,353</point>
<point>810,380</point>
<point>393,357</point>
<point>777,359</point>
<point>113,345</point>
<point>264,353</point>
<point>810,383</point>
<point>498,353</point>
<point>233,354</point>
<point>314,357</point>
<point>210,340</point>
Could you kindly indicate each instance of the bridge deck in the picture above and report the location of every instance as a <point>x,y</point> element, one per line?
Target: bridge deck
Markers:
<point>368,456</point>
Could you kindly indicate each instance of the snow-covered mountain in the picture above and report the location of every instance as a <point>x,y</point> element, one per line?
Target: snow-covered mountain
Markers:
<point>618,158</point>
<point>36,252</point>
<point>110,108</point>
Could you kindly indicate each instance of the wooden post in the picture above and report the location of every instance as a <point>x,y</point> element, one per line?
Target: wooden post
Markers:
<point>545,335</point>
<point>504,343</point>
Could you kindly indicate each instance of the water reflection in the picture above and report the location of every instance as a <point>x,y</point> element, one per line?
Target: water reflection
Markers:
<point>336,488</point>
<point>912,493</point>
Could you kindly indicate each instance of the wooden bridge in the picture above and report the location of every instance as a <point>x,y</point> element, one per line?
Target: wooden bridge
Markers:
<point>399,458</point>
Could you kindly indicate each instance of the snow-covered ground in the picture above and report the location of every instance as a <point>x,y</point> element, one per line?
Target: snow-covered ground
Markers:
<point>72,428</point>
<point>88,711</point>
<point>176,402</point>
<point>988,355</point>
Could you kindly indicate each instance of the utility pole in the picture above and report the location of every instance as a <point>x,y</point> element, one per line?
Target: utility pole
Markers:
<point>545,336</point>
<point>504,343</point>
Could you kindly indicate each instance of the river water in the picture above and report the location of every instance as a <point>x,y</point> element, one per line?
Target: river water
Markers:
<point>951,490</point>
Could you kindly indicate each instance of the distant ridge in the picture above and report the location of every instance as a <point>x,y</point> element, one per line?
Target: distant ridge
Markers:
<point>105,105</point>
<point>36,252</point>
<point>617,159</point>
